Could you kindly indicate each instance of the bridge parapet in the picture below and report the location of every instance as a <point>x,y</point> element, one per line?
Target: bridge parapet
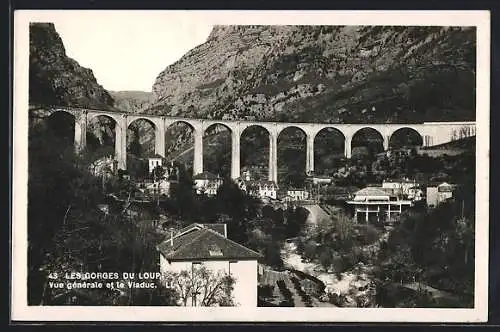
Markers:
<point>432,133</point>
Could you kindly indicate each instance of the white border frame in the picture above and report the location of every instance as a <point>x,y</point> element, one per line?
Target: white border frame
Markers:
<point>22,312</point>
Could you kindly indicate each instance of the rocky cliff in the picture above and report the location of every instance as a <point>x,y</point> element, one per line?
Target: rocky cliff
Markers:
<point>131,101</point>
<point>56,79</point>
<point>324,73</point>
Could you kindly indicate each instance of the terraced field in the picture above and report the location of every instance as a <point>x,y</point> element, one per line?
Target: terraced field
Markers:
<point>286,293</point>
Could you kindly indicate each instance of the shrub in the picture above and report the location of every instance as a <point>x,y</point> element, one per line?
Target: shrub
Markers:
<point>336,299</point>
<point>338,265</point>
<point>369,235</point>
<point>349,260</point>
<point>287,295</point>
<point>265,290</point>
<point>301,276</point>
<point>306,298</point>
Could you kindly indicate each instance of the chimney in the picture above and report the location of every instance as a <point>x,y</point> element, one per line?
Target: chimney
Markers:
<point>225,230</point>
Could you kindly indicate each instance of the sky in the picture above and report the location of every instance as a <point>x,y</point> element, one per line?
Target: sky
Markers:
<point>125,52</point>
<point>127,49</point>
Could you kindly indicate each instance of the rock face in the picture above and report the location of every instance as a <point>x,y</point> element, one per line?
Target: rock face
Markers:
<point>131,101</point>
<point>56,79</point>
<point>324,73</point>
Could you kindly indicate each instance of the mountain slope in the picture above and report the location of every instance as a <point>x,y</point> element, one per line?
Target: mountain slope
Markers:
<point>324,73</point>
<point>131,101</point>
<point>56,79</point>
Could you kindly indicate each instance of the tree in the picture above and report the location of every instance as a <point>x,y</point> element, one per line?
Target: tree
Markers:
<point>295,221</point>
<point>183,196</point>
<point>60,188</point>
<point>158,173</point>
<point>310,250</point>
<point>326,258</point>
<point>465,233</point>
<point>202,287</point>
<point>68,233</point>
<point>343,226</point>
<point>241,208</point>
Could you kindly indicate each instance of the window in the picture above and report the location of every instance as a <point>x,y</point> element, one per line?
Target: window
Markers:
<point>214,250</point>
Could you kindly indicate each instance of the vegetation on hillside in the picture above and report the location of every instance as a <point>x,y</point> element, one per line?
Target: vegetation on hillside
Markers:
<point>434,248</point>
<point>75,235</point>
<point>131,101</point>
<point>56,79</point>
<point>350,74</point>
<point>68,233</point>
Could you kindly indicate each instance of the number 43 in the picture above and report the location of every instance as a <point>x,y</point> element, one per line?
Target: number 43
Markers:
<point>53,275</point>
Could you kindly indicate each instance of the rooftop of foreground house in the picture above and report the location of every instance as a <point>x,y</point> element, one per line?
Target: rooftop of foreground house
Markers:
<point>204,244</point>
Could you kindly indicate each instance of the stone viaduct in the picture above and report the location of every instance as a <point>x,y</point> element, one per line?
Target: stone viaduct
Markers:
<point>432,133</point>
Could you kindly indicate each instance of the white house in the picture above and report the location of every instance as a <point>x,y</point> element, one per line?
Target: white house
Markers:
<point>319,179</point>
<point>436,194</point>
<point>161,187</point>
<point>207,183</point>
<point>261,188</point>
<point>374,202</point>
<point>297,194</point>
<point>154,161</point>
<point>207,245</point>
<point>400,187</point>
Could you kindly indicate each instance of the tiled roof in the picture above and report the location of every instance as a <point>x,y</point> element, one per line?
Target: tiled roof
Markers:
<point>219,228</point>
<point>446,187</point>
<point>319,177</point>
<point>389,191</point>
<point>261,183</point>
<point>205,176</point>
<point>204,244</point>
<point>401,180</point>
<point>155,155</point>
<point>371,191</point>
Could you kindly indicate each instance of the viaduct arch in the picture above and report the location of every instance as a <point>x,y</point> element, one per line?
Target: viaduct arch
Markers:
<point>432,133</point>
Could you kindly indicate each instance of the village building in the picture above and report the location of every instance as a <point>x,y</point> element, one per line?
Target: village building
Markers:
<point>376,204</point>
<point>319,179</point>
<point>438,193</point>
<point>160,187</point>
<point>416,193</point>
<point>105,166</point>
<point>172,172</point>
<point>399,187</point>
<point>207,245</point>
<point>297,194</point>
<point>401,152</point>
<point>154,161</point>
<point>207,183</point>
<point>261,188</point>
<point>124,174</point>
<point>257,172</point>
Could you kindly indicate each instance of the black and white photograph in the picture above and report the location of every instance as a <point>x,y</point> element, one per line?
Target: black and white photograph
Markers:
<point>247,161</point>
